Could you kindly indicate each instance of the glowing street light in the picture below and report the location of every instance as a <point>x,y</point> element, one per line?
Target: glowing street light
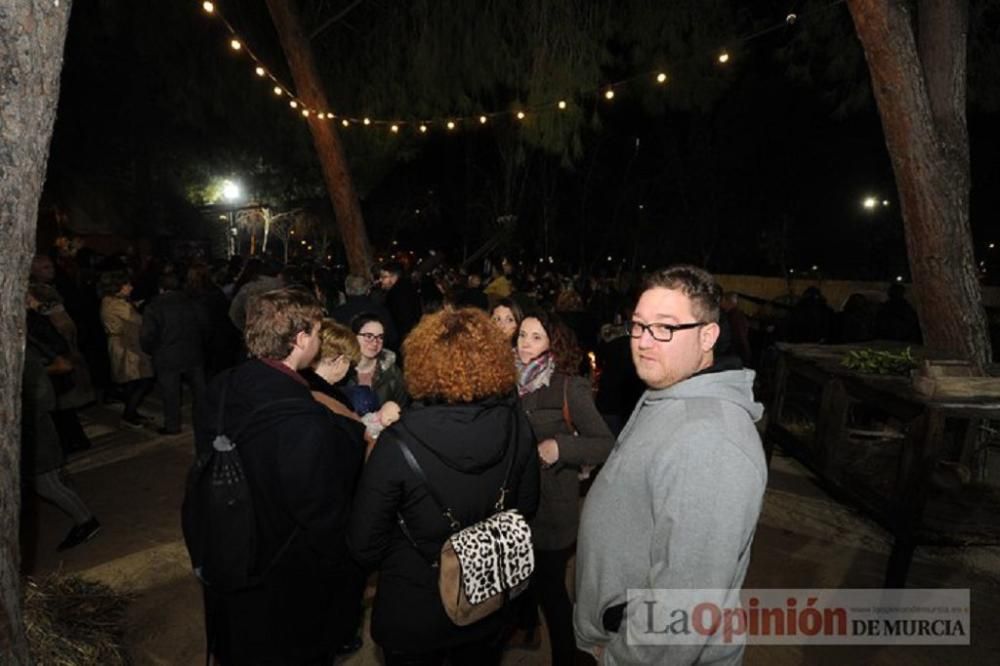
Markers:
<point>230,191</point>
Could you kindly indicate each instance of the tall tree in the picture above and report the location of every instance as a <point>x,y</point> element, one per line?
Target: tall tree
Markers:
<point>329,149</point>
<point>32,36</point>
<point>918,73</point>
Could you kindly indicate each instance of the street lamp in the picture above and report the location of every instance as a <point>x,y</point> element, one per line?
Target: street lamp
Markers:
<point>231,193</point>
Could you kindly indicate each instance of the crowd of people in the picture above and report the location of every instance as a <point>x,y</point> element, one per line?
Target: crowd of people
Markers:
<point>475,371</point>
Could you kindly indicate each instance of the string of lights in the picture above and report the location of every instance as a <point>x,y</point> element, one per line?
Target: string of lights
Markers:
<point>607,92</point>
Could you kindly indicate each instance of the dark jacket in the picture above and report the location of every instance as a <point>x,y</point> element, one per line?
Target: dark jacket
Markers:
<point>403,303</point>
<point>224,342</point>
<point>301,463</point>
<point>174,332</point>
<point>388,383</point>
<point>555,525</point>
<point>355,305</point>
<point>41,452</point>
<point>462,450</point>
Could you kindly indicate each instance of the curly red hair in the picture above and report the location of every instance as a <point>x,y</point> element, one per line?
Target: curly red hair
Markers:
<point>457,356</point>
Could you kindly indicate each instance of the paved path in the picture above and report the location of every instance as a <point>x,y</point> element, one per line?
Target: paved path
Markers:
<point>134,481</point>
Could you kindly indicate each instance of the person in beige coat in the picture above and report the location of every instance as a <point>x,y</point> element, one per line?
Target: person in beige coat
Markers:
<point>130,366</point>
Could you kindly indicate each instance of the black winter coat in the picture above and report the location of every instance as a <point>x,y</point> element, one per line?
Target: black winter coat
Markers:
<point>301,462</point>
<point>463,451</point>
<point>174,332</point>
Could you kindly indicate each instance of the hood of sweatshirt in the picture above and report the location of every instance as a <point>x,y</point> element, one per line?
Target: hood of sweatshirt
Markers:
<point>734,386</point>
<point>470,437</point>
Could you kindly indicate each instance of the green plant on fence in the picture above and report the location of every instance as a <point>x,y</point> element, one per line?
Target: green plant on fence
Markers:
<point>875,362</point>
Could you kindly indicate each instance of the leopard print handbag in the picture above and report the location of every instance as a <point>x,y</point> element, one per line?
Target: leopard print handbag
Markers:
<point>485,565</point>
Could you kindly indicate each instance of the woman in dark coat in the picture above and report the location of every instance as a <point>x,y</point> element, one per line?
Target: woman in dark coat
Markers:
<point>571,437</point>
<point>462,432</point>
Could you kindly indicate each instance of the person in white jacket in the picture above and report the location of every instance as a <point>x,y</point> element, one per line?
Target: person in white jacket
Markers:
<point>677,503</point>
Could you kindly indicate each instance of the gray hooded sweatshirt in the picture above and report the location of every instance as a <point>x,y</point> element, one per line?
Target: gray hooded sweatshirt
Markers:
<point>675,507</point>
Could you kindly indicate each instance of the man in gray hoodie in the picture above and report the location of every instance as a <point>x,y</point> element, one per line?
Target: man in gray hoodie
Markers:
<point>676,505</point>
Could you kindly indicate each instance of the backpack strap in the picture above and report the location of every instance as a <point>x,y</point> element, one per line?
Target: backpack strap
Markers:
<point>446,511</point>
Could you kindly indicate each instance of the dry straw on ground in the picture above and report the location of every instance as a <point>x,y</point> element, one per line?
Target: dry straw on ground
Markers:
<point>74,622</point>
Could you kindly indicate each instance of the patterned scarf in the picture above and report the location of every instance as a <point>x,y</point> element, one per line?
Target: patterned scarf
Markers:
<point>534,374</point>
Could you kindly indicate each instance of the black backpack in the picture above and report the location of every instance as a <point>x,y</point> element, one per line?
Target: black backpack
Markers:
<point>217,517</point>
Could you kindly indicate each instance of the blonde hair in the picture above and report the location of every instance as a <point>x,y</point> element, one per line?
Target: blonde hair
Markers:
<point>335,340</point>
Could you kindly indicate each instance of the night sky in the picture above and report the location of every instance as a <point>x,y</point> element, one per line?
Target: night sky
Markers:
<point>758,166</point>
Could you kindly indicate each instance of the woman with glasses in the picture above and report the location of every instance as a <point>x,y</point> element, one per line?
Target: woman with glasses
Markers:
<point>570,436</point>
<point>377,367</point>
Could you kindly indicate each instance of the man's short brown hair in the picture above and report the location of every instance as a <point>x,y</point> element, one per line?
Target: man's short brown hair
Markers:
<point>458,356</point>
<point>274,318</point>
<point>697,284</point>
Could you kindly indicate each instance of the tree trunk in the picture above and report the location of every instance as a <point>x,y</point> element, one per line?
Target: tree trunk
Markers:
<point>32,36</point>
<point>919,81</point>
<point>346,206</point>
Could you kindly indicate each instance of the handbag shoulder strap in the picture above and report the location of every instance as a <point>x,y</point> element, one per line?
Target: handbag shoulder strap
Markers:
<point>419,471</point>
<point>446,511</point>
<point>567,416</point>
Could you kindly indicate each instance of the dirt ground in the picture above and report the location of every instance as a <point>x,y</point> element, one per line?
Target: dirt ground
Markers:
<point>134,483</point>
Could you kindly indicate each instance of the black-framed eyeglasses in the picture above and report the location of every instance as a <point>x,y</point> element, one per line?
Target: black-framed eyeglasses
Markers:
<point>660,332</point>
<point>371,337</point>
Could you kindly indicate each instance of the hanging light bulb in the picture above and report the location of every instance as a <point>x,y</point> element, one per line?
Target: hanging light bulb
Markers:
<point>305,112</point>
<point>661,77</point>
<point>394,128</point>
<point>367,121</point>
<point>451,124</point>
<point>562,104</point>
<point>345,122</point>
<point>235,45</point>
<point>321,115</point>
<point>520,115</point>
<point>423,129</point>
<point>208,7</point>
<point>260,71</point>
<point>293,104</point>
<point>277,90</point>
<point>609,94</point>
<point>482,120</point>
<point>724,57</point>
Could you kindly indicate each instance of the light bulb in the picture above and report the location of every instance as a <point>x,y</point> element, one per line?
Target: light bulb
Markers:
<point>277,90</point>
<point>344,122</point>
<point>609,94</point>
<point>451,125</point>
<point>423,128</point>
<point>482,120</point>
<point>562,104</point>
<point>208,7</point>
<point>260,71</point>
<point>661,77</point>
<point>235,45</point>
<point>305,112</point>
<point>293,104</point>
<point>394,128</point>
<point>724,57</point>
<point>366,121</point>
<point>520,115</point>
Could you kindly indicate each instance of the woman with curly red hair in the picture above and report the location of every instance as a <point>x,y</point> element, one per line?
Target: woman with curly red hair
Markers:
<point>570,436</point>
<point>464,430</point>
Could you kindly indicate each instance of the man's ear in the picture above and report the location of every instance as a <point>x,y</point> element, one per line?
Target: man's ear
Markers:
<point>299,339</point>
<point>709,335</point>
